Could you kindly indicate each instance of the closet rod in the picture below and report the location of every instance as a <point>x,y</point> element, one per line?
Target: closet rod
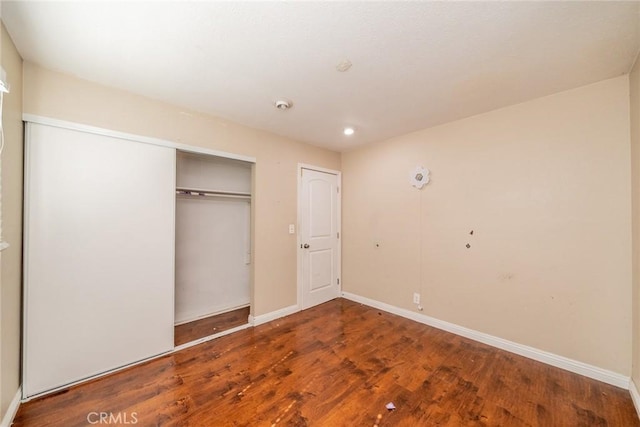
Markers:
<point>211,193</point>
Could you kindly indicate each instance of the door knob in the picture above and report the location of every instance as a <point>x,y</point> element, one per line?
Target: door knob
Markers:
<point>306,246</point>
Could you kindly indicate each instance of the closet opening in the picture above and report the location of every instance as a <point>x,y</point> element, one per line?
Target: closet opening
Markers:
<point>213,245</point>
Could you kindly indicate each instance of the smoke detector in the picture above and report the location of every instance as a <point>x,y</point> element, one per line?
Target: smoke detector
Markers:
<point>283,104</point>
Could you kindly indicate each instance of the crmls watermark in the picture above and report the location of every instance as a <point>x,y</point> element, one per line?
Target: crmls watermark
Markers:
<point>118,418</point>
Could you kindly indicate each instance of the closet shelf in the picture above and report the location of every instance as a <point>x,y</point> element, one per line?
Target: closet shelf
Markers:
<point>200,192</point>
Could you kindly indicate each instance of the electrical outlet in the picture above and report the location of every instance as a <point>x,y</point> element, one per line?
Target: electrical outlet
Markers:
<point>416,298</point>
<point>292,229</point>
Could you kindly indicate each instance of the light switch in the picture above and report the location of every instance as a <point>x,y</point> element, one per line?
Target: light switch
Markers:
<point>292,229</point>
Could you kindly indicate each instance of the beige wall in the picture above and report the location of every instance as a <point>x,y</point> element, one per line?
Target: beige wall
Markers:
<point>51,94</point>
<point>545,187</point>
<point>634,86</point>
<point>11,264</point>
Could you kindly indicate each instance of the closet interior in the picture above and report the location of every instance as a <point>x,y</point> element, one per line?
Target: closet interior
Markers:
<point>213,245</point>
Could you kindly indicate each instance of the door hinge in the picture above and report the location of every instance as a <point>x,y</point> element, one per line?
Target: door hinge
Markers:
<point>338,234</point>
<point>338,189</point>
<point>338,281</point>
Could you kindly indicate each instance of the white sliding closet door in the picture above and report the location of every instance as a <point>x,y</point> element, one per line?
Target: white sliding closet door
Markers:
<point>99,255</point>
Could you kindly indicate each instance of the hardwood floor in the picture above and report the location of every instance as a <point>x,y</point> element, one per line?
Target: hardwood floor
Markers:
<point>339,364</point>
<point>210,325</point>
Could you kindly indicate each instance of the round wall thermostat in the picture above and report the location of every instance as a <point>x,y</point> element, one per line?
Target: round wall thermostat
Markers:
<point>419,177</point>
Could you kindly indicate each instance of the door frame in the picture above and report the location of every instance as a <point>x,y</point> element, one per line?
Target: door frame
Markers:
<point>338,174</point>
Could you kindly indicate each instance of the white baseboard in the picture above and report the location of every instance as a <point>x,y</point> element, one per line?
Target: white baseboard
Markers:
<point>268,317</point>
<point>12,410</point>
<point>562,362</point>
<point>635,396</point>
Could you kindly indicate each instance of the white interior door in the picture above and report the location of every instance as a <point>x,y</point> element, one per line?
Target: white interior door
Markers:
<point>99,255</point>
<point>319,238</point>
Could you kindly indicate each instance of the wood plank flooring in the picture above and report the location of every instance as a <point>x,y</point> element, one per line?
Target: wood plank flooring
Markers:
<point>210,325</point>
<point>339,364</point>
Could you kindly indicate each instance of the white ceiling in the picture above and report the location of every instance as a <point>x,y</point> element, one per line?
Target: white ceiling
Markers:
<point>415,64</point>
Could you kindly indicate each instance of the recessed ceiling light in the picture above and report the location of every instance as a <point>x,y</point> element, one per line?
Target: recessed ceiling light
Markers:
<point>348,131</point>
